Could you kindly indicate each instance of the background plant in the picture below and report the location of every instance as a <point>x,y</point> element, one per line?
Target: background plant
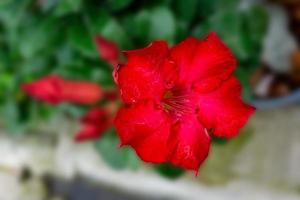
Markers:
<point>40,37</point>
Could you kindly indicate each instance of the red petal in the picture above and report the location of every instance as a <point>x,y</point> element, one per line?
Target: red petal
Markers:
<point>146,75</point>
<point>111,94</point>
<point>47,89</point>
<point>88,132</point>
<point>108,50</point>
<point>150,57</point>
<point>81,92</point>
<point>223,109</point>
<point>95,123</point>
<point>95,115</point>
<point>190,143</point>
<point>146,128</point>
<point>203,60</point>
<point>139,83</point>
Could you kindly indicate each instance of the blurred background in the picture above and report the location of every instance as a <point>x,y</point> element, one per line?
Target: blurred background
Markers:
<point>39,158</point>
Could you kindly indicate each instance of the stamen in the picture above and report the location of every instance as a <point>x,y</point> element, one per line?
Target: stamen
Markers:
<point>178,102</point>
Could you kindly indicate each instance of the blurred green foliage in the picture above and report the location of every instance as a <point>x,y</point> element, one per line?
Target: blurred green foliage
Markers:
<point>117,158</point>
<point>168,170</point>
<point>39,37</point>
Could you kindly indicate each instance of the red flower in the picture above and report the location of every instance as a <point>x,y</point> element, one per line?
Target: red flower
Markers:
<point>175,97</point>
<point>95,123</point>
<point>108,50</point>
<point>54,90</point>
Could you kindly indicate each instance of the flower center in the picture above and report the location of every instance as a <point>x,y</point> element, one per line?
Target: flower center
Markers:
<point>178,102</point>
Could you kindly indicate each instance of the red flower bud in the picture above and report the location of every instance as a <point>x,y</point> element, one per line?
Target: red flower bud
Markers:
<point>108,50</point>
<point>53,89</point>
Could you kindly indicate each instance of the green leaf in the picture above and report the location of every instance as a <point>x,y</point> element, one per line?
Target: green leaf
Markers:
<point>40,39</point>
<point>243,75</point>
<point>186,9</point>
<point>142,23</point>
<point>47,5</point>
<point>6,81</point>
<point>102,75</point>
<point>254,29</point>
<point>10,113</point>
<point>117,5</point>
<point>81,39</point>
<point>97,18</point>
<point>117,158</point>
<point>67,6</point>
<point>12,13</point>
<point>138,26</point>
<point>162,24</point>
<point>227,5</point>
<point>169,171</point>
<point>32,67</point>
<point>220,141</point>
<point>5,2</point>
<point>133,161</point>
<point>182,31</point>
<point>256,22</point>
<point>114,31</point>
<point>206,8</point>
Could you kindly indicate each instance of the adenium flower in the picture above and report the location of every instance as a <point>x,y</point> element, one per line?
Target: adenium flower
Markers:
<point>108,50</point>
<point>177,98</point>
<point>54,89</point>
